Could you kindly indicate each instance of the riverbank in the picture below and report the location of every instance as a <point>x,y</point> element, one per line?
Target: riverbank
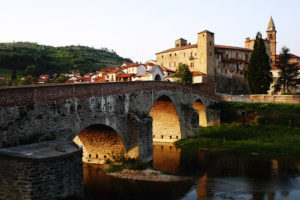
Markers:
<point>270,140</point>
<point>147,175</point>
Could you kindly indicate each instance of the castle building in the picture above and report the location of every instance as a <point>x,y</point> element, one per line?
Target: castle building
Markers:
<point>224,66</point>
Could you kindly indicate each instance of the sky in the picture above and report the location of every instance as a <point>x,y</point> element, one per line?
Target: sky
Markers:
<point>138,29</point>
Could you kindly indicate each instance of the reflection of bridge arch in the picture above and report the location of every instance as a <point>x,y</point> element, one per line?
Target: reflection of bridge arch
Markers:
<point>165,124</point>
<point>199,106</point>
<point>100,143</point>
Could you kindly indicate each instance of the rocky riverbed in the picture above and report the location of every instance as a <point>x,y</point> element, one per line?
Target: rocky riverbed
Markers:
<point>147,175</point>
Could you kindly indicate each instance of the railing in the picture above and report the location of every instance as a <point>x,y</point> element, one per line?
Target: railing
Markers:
<point>49,93</point>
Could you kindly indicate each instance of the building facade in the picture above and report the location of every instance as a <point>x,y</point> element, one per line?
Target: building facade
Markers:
<point>223,65</point>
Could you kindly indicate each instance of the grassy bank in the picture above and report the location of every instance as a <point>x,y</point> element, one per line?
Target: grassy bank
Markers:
<point>247,139</point>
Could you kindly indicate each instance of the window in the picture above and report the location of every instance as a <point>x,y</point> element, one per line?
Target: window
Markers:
<point>174,64</point>
<point>210,54</point>
<point>177,137</point>
<point>170,54</point>
<point>153,136</point>
<point>210,43</point>
<point>271,36</point>
<point>162,56</point>
<point>192,65</point>
<point>184,54</point>
<point>170,136</point>
<point>96,155</point>
<point>237,55</point>
<point>195,54</point>
<point>175,54</point>
<point>226,56</point>
<point>104,156</point>
<point>162,137</point>
<point>247,57</point>
<point>90,155</point>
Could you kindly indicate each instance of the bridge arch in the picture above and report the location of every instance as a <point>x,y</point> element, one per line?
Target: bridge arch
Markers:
<point>165,120</point>
<point>157,77</point>
<point>201,108</point>
<point>100,143</point>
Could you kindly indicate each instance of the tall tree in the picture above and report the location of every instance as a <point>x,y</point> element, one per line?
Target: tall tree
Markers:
<point>259,74</point>
<point>184,74</point>
<point>288,74</point>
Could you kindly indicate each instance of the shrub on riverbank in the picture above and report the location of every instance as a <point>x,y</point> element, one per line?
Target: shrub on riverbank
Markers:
<point>250,139</point>
<point>260,113</point>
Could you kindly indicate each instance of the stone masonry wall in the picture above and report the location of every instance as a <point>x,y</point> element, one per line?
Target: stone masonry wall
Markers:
<point>100,143</point>
<point>41,179</point>
<point>32,114</point>
<point>166,127</point>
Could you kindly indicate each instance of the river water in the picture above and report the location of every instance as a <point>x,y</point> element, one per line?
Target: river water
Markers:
<point>216,176</point>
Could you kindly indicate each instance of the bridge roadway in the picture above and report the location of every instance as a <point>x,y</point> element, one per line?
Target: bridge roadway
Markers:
<point>138,112</point>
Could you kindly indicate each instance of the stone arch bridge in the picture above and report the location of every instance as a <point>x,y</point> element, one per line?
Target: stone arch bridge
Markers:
<point>37,113</point>
<point>122,117</point>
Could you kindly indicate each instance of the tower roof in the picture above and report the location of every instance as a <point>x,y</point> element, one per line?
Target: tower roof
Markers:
<point>271,26</point>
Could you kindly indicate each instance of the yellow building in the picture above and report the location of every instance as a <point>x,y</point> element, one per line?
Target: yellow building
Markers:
<point>223,65</point>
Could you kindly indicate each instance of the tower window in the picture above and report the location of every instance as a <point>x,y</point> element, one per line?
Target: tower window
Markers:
<point>271,36</point>
<point>162,56</point>
<point>170,54</point>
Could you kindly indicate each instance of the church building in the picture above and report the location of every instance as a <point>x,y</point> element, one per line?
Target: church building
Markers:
<point>224,66</point>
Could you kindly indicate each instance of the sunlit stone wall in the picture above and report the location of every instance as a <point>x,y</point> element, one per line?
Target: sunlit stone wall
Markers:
<point>202,115</point>
<point>166,127</point>
<point>100,143</point>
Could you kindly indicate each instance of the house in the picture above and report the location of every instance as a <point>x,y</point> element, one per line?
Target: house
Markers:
<point>125,77</point>
<point>112,75</point>
<point>276,72</point>
<point>167,71</point>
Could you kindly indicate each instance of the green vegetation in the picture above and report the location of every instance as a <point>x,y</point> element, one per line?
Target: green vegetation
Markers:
<point>288,72</point>
<point>33,59</point>
<point>258,74</point>
<point>132,164</point>
<point>260,113</point>
<point>248,139</point>
<point>262,128</point>
<point>184,74</point>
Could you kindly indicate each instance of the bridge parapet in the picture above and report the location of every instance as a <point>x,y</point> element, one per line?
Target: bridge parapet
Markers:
<point>45,94</point>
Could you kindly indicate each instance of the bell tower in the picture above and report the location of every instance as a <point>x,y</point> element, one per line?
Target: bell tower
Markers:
<point>271,37</point>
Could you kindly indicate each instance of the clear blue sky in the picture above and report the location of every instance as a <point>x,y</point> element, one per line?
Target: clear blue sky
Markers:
<point>140,28</point>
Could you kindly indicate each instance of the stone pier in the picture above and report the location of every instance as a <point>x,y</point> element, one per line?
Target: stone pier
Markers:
<point>41,171</point>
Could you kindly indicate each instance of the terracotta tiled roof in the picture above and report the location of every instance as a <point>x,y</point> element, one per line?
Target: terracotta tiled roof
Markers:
<point>125,75</point>
<point>105,70</point>
<point>113,71</point>
<point>179,48</point>
<point>100,79</point>
<point>291,56</point>
<point>130,64</point>
<point>195,46</point>
<point>198,74</point>
<point>166,69</point>
<point>149,64</point>
<point>86,79</point>
<point>231,47</point>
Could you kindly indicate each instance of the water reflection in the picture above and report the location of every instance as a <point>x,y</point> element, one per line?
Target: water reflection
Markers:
<point>217,176</point>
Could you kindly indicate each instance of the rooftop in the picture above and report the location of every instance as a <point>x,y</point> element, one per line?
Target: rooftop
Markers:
<point>195,46</point>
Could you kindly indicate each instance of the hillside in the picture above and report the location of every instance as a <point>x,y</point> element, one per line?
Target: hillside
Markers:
<point>48,59</point>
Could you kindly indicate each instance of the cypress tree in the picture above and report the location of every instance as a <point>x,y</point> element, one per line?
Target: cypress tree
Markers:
<point>259,75</point>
